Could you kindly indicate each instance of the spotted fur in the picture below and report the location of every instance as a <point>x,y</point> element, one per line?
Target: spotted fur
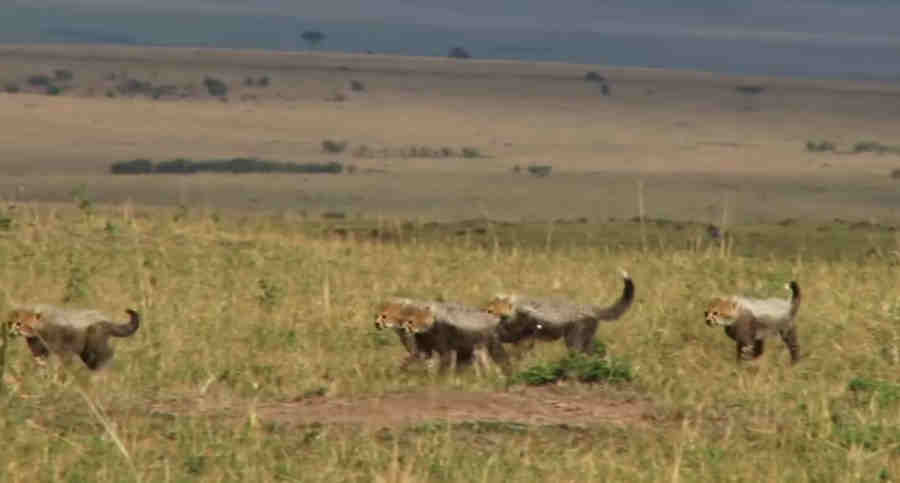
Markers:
<point>66,333</point>
<point>749,322</point>
<point>527,318</point>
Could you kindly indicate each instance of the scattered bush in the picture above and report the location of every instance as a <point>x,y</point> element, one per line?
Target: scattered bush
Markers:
<point>470,152</point>
<point>163,90</point>
<point>751,89</point>
<point>459,53</point>
<point>334,215</point>
<point>63,75</point>
<point>818,147</point>
<point>337,96</point>
<point>262,81</point>
<point>540,170</point>
<point>178,166</point>
<point>895,173</point>
<point>39,80</point>
<point>516,169</point>
<point>874,147</point>
<point>270,294</point>
<point>135,166</point>
<point>53,90</point>
<point>357,86</point>
<point>215,87</point>
<point>594,77</point>
<point>332,146</point>
<point>884,392</point>
<point>234,165</point>
<point>134,87</point>
<point>417,151</point>
<point>590,368</point>
<point>313,37</point>
<point>11,88</point>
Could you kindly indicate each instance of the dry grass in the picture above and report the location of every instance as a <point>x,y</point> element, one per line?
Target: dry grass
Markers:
<point>513,113</point>
<point>244,312</point>
<point>252,317</point>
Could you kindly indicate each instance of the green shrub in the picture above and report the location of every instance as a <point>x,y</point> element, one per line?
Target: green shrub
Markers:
<point>53,90</point>
<point>178,166</point>
<point>63,75</point>
<point>11,88</point>
<point>215,87</point>
<point>38,80</point>
<point>752,89</point>
<point>540,170</point>
<point>819,147</point>
<point>234,165</point>
<point>332,146</point>
<point>134,86</point>
<point>459,53</point>
<point>470,152</point>
<point>590,368</point>
<point>594,77</point>
<point>135,166</point>
<point>874,147</point>
<point>895,173</point>
<point>883,392</point>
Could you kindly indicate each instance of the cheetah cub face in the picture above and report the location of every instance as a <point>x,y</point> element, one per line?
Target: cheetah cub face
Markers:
<point>721,312</point>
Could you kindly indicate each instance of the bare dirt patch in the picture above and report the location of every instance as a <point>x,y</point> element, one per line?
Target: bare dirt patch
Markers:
<point>534,406</point>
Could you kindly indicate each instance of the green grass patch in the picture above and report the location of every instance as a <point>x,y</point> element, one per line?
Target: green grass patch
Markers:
<point>588,368</point>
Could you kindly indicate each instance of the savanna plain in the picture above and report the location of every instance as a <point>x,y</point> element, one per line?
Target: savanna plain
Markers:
<point>258,359</point>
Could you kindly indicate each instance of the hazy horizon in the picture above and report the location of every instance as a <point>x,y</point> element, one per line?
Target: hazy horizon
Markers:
<point>826,38</point>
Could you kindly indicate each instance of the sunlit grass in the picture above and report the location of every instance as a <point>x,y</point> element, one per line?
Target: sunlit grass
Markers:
<point>246,310</point>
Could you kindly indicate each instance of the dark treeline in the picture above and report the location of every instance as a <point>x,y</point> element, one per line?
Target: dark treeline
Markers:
<point>234,165</point>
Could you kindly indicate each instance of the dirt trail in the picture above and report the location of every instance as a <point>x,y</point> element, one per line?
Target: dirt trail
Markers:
<point>536,406</point>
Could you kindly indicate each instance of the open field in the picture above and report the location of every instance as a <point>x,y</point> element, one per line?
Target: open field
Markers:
<point>258,359</point>
<point>695,141</point>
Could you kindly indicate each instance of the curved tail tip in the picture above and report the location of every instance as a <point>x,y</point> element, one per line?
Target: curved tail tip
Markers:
<point>624,274</point>
<point>131,312</point>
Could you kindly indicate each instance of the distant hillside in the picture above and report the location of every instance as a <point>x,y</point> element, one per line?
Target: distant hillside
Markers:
<point>734,56</point>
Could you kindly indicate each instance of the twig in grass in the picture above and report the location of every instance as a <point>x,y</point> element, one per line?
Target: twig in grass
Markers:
<point>640,193</point>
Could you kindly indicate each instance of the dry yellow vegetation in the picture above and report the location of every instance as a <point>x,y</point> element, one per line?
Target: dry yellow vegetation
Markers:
<point>258,359</point>
<point>692,137</point>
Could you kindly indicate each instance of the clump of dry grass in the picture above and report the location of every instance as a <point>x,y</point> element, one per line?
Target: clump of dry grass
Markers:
<point>242,311</point>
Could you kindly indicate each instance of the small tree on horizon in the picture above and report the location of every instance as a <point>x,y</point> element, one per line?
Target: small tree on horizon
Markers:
<point>459,53</point>
<point>313,37</point>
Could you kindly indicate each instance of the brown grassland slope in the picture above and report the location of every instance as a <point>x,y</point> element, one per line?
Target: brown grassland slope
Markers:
<point>693,138</point>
